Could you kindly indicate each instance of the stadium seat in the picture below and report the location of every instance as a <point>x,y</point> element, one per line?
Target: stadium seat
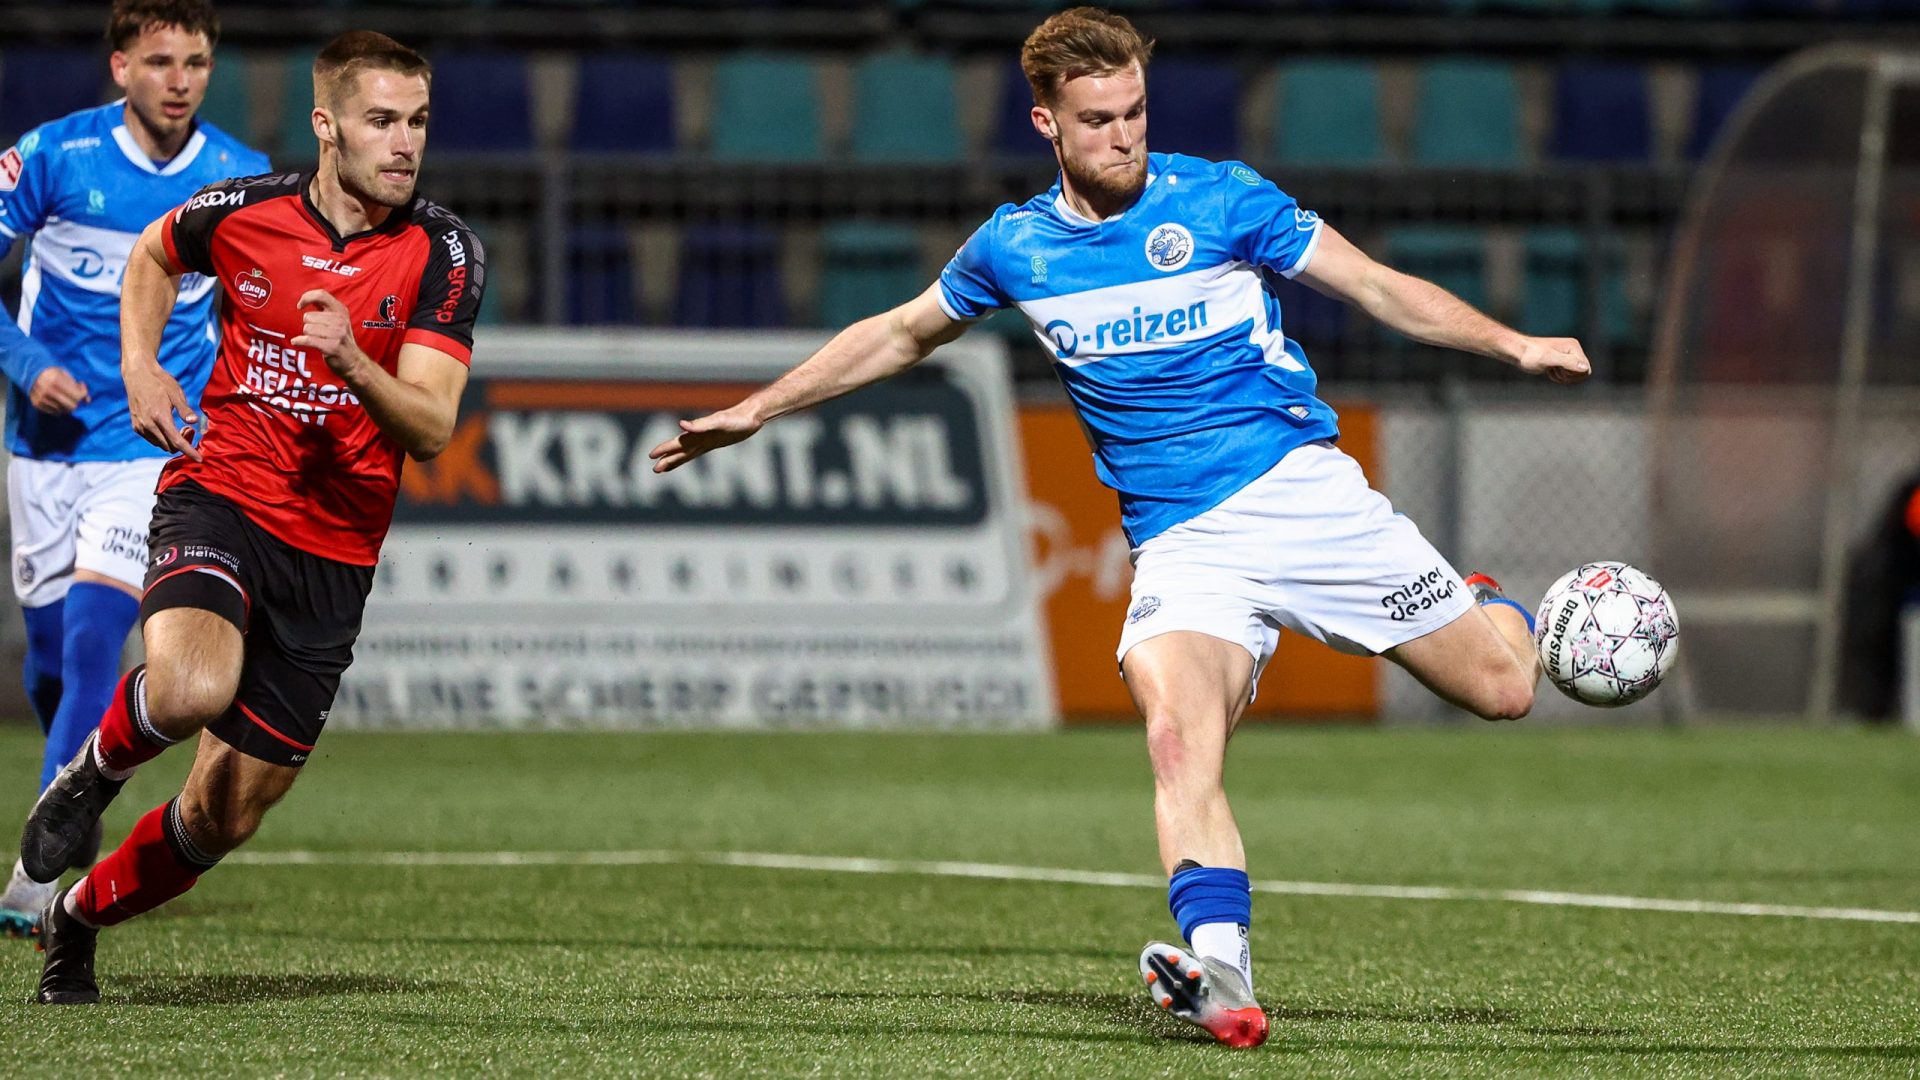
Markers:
<point>1328,113</point>
<point>1720,90</point>
<point>1453,257</point>
<point>766,107</point>
<point>1468,114</point>
<point>1196,107</point>
<point>1308,317</point>
<point>229,102</point>
<point>293,140</point>
<point>1601,113</point>
<point>1013,134</point>
<point>41,84</point>
<point>623,102</point>
<point>730,276</point>
<point>600,282</point>
<point>482,102</point>
<point>868,267</point>
<point>1553,300</point>
<point>905,110</point>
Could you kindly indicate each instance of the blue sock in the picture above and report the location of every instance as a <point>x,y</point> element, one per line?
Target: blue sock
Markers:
<point>40,675</point>
<point>1199,895</point>
<point>1515,605</point>
<point>98,619</point>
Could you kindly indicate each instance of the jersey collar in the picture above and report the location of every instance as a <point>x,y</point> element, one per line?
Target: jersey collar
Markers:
<point>1075,218</point>
<point>124,140</point>
<point>400,218</point>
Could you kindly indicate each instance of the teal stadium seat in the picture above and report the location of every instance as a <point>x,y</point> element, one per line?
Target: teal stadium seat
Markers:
<point>1468,115</point>
<point>1453,257</point>
<point>905,110</point>
<point>766,107</point>
<point>229,102</point>
<point>1554,288</point>
<point>293,141</point>
<point>1328,113</point>
<point>868,268</point>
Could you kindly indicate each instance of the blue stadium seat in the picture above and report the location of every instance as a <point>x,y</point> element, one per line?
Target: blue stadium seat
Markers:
<point>600,282</point>
<point>730,276</point>
<point>1553,299</point>
<point>1468,114</point>
<point>905,110</point>
<point>229,102</point>
<point>1328,113</point>
<point>867,268</point>
<point>482,101</point>
<point>1195,107</point>
<point>1720,90</point>
<point>1453,257</point>
<point>1601,113</point>
<point>1307,316</point>
<point>623,102</point>
<point>766,108</point>
<point>42,84</point>
<point>1013,134</point>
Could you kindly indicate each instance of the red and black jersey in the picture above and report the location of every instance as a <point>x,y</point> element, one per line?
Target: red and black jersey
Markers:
<point>288,441</point>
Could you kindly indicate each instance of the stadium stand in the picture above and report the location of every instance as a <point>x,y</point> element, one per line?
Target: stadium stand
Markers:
<point>906,110</point>
<point>1327,112</point>
<point>766,108</point>
<point>39,84</point>
<point>624,102</point>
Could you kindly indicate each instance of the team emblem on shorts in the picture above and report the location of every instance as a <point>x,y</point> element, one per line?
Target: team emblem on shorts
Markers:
<point>22,569</point>
<point>1169,246</point>
<point>253,288</point>
<point>1144,608</point>
<point>168,557</point>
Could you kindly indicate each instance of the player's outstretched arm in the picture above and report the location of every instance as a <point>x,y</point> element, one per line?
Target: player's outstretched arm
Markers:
<point>147,295</point>
<point>866,352</point>
<point>1428,313</point>
<point>416,406</point>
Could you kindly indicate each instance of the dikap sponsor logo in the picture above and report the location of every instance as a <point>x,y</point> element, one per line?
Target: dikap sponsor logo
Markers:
<point>253,288</point>
<point>1422,594</point>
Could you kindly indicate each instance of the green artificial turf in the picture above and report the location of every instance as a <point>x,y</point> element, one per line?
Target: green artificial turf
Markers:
<point>677,969</point>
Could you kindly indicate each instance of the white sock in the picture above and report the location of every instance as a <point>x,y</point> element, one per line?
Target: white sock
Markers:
<point>1227,943</point>
<point>72,903</point>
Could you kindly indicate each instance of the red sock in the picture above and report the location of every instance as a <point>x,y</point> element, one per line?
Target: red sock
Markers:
<point>127,734</point>
<point>155,863</point>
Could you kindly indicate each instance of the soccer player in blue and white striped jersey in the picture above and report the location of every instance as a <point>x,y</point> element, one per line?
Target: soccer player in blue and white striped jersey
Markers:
<point>79,190</point>
<point>1141,275</point>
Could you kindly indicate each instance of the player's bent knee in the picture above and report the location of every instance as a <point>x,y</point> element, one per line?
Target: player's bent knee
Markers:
<point>185,699</point>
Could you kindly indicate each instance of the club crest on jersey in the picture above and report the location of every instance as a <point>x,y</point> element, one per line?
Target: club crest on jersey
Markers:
<point>253,288</point>
<point>1169,246</point>
<point>389,315</point>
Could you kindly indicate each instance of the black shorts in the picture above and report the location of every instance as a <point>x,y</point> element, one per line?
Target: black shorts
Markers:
<point>299,613</point>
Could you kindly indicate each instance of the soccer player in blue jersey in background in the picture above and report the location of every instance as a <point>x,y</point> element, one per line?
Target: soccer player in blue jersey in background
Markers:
<point>1140,273</point>
<point>80,485</point>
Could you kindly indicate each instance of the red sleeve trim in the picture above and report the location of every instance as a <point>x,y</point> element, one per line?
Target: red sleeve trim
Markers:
<point>268,728</point>
<point>433,339</point>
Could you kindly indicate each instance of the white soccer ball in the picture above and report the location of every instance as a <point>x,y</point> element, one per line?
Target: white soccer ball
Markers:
<point>1607,634</point>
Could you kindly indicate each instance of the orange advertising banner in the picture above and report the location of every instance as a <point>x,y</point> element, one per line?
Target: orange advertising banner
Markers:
<point>1081,568</point>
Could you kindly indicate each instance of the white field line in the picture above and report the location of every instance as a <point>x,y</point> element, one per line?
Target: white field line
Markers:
<point>831,864</point>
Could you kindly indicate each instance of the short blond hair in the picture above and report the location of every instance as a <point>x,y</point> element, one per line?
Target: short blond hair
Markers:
<point>1078,42</point>
<point>355,51</point>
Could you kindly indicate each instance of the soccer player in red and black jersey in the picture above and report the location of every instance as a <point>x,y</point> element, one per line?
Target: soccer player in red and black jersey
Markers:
<point>346,332</point>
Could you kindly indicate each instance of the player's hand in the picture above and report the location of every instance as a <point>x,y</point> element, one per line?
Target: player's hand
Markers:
<point>710,432</point>
<point>1558,358</point>
<point>328,330</point>
<point>153,397</point>
<point>57,393</point>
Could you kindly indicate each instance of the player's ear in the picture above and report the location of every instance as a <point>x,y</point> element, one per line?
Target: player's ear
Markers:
<point>323,125</point>
<point>119,64</point>
<point>1043,123</point>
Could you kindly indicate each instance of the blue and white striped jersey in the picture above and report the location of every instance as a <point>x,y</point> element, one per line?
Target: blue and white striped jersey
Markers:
<point>1166,337</point>
<point>83,190</point>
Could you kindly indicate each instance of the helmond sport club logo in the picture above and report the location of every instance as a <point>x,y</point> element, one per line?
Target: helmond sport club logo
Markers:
<point>253,288</point>
<point>389,315</point>
<point>1169,247</point>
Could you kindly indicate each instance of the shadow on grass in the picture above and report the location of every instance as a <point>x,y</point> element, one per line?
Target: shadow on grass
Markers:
<point>247,989</point>
<point>1888,1051</point>
<point>570,943</point>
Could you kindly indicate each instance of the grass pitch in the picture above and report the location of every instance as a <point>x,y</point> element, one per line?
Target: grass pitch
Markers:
<point>684,969</point>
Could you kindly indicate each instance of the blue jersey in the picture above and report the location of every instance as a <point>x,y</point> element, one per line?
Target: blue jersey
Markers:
<point>1162,329</point>
<point>83,190</point>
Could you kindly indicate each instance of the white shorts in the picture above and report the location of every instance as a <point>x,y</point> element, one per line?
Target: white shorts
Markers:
<point>1308,546</point>
<point>78,515</point>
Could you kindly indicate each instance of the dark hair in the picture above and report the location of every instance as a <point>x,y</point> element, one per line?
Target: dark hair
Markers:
<point>362,50</point>
<point>131,18</point>
<point>1076,42</point>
